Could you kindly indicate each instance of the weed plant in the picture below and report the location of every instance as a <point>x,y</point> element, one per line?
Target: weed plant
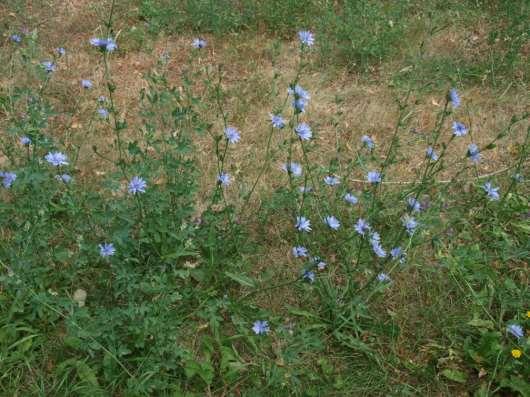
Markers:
<point>130,282</point>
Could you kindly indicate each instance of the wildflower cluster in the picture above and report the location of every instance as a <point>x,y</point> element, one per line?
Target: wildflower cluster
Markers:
<point>169,260</point>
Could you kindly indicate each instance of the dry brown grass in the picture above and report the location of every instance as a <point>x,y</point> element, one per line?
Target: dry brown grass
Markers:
<point>343,106</point>
<point>362,107</point>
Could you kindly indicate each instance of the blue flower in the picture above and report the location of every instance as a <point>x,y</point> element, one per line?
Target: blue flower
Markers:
<point>331,180</point>
<point>492,192</point>
<point>8,178</point>
<point>454,98</point>
<point>198,43</point>
<point>383,278</point>
<point>277,121</point>
<point>293,168</point>
<point>300,251</point>
<point>86,84</point>
<point>224,179</point>
<point>306,38</point>
<point>298,92</point>
<point>15,38</point>
<point>373,177</point>
<point>301,98</point>
<point>375,237</point>
<point>60,51</point>
<point>108,45</point>
<point>431,154</point>
<point>368,142</point>
<point>56,158</point>
<point>302,224</point>
<point>516,330</point>
<point>137,185</point>
<point>303,131</point>
<point>299,105</point>
<point>25,140</point>
<point>459,129</point>
<point>309,275</point>
<point>106,249</point>
<point>261,327</point>
<point>473,153</point>
<point>102,99</point>
<point>397,254</point>
<point>319,263</point>
<point>332,222</point>
<point>362,226</point>
<point>103,113</point>
<point>165,57</point>
<point>350,198</point>
<point>64,178</point>
<point>410,224</point>
<point>232,134</point>
<point>111,45</point>
<point>414,204</point>
<point>48,66</point>
<point>375,242</point>
<point>305,189</point>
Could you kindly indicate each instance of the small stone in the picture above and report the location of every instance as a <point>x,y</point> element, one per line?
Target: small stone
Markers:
<point>80,297</point>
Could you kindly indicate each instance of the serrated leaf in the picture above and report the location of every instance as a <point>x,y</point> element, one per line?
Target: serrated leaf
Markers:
<point>354,343</point>
<point>525,227</point>
<point>518,385</point>
<point>203,369</point>
<point>477,322</point>
<point>455,375</point>
<point>301,313</point>
<point>87,374</point>
<point>241,279</point>
<point>178,254</point>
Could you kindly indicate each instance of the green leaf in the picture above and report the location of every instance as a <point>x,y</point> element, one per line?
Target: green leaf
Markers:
<point>523,226</point>
<point>72,341</point>
<point>23,344</point>
<point>518,385</point>
<point>86,373</point>
<point>455,375</point>
<point>61,255</point>
<point>203,369</point>
<point>241,279</point>
<point>326,366</point>
<point>181,252</point>
<point>353,343</point>
<point>477,322</point>
<point>301,313</point>
<point>482,391</point>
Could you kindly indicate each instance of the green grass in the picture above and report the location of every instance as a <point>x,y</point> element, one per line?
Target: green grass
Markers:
<point>365,35</point>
